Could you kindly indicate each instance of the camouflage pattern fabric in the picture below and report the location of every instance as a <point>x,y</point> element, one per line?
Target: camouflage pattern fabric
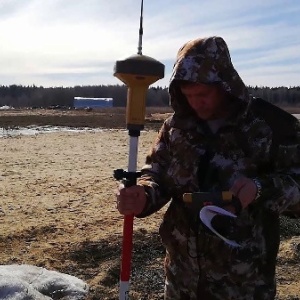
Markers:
<point>188,157</point>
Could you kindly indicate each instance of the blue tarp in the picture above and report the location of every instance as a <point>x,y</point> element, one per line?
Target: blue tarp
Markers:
<point>80,102</point>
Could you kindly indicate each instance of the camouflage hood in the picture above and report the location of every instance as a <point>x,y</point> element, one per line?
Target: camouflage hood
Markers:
<point>205,60</point>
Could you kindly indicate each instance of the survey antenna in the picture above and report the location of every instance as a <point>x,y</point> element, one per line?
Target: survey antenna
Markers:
<point>137,72</point>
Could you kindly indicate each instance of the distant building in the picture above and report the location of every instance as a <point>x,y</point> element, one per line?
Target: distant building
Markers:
<point>83,102</point>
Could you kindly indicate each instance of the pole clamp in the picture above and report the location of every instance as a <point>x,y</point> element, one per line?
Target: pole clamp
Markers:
<point>128,178</point>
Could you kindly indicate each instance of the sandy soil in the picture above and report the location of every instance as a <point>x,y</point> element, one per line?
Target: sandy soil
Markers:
<point>57,210</point>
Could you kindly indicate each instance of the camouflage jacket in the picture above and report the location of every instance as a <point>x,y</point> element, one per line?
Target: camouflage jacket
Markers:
<point>244,146</point>
<point>189,157</point>
<point>257,140</point>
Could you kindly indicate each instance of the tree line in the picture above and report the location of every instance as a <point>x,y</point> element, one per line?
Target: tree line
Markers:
<point>20,96</point>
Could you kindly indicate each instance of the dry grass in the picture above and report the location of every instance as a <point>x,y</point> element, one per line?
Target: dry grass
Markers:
<point>58,208</point>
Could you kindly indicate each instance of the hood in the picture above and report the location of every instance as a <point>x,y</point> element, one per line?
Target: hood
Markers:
<point>205,60</point>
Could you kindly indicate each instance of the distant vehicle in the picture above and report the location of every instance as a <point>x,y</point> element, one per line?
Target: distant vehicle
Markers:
<point>84,103</point>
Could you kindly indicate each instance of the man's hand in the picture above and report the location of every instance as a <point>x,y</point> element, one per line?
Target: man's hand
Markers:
<point>131,200</point>
<point>245,189</point>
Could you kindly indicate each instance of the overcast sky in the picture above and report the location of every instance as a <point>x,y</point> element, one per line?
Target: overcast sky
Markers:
<point>72,42</point>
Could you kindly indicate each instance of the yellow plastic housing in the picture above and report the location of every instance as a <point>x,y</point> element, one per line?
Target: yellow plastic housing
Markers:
<point>136,96</point>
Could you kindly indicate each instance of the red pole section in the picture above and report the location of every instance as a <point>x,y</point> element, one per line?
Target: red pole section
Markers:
<point>127,243</point>
<point>127,248</point>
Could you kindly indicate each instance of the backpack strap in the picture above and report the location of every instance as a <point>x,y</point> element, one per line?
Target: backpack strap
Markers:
<point>282,123</point>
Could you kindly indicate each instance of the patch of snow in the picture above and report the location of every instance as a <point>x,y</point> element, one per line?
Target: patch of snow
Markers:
<point>5,107</point>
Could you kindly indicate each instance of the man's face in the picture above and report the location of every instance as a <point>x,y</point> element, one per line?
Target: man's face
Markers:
<point>207,100</point>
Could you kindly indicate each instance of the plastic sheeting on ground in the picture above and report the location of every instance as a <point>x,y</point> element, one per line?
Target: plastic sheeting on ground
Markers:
<point>28,282</point>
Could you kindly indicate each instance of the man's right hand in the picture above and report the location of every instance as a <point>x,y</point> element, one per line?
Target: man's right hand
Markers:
<point>131,200</point>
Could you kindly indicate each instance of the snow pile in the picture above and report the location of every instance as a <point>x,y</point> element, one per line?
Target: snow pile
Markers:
<point>5,107</point>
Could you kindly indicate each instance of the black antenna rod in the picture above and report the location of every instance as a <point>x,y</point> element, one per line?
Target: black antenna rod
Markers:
<point>141,30</point>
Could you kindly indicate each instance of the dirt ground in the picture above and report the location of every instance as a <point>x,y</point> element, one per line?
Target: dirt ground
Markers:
<point>57,206</point>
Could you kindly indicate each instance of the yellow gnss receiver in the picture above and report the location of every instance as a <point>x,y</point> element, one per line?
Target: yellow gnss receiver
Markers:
<point>138,72</point>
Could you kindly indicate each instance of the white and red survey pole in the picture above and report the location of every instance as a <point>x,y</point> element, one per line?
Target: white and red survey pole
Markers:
<point>137,72</point>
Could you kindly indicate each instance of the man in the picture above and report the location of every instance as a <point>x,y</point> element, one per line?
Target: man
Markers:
<point>217,140</point>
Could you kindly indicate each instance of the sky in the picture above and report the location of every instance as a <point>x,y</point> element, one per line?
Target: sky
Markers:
<point>71,42</point>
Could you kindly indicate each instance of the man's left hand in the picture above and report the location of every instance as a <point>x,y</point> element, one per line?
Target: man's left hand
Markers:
<point>245,189</point>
